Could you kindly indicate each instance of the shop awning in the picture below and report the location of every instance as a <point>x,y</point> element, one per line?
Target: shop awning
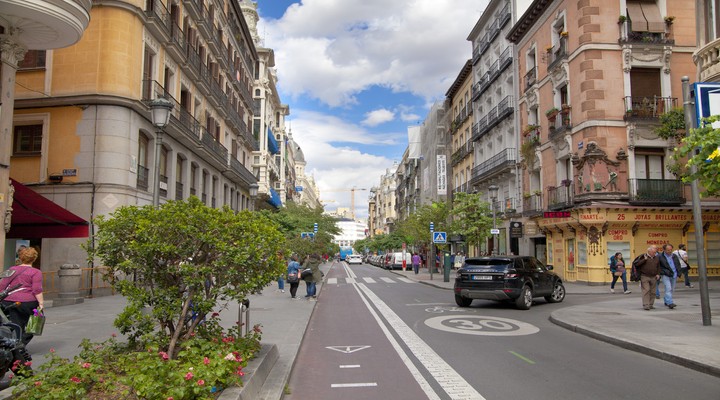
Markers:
<point>35,217</point>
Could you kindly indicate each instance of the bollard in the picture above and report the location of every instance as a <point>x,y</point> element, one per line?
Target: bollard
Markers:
<point>446,269</point>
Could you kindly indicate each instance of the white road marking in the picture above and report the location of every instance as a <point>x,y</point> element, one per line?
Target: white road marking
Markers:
<point>332,281</point>
<point>350,280</point>
<point>347,349</point>
<point>425,304</point>
<point>388,280</point>
<point>369,280</point>
<point>481,325</point>
<point>349,385</point>
<point>406,280</point>
<point>350,366</point>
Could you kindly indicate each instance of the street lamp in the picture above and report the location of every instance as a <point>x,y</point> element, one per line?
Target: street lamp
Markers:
<point>493,197</point>
<point>253,194</point>
<point>160,109</point>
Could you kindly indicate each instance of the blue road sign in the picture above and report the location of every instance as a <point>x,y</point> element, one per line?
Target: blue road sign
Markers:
<point>707,100</point>
<point>439,237</point>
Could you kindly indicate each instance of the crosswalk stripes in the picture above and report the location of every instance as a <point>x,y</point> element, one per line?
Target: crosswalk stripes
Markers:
<point>387,280</point>
<point>369,280</point>
<point>332,281</point>
<point>406,280</point>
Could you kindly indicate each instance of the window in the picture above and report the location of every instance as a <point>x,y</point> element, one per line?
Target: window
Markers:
<point>33,59</point>
<point>649,163</point>
<point>27,140</point>
<point>163,172</point>
<point>142,173</point>
<point>179,178</point>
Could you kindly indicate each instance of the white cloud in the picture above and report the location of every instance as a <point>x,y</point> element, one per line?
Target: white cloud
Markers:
<point>333,50</point>
<point>377,117</point>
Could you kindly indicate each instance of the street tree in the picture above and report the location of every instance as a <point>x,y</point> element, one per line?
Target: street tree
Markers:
<point>701,148</point>
<point>416,228</point>
<point>471,217</point>
<point>181,261</point>
<point>293,220</point>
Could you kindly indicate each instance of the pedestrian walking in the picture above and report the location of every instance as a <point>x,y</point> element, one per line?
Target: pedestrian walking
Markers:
<point>312,263</point>
<point>415,260</point>
<point>669,271</point>
<point>685,268</point>
<point>281,283</point>
<point>617,268</point>
<point>649,267</point>
<point>29,296</point>
<point>293,275</point>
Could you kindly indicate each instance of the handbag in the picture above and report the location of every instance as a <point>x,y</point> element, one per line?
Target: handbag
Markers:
<point>292,278</point>
<point>36,323</point>
<point>306,273</point>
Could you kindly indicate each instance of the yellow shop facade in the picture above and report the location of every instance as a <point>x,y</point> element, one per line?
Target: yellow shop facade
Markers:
<point>581,241</point>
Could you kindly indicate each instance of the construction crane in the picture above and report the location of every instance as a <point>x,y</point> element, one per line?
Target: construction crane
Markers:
<point>352,197</point>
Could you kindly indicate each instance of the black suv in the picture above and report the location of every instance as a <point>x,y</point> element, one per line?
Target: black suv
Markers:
<point>507,278</point>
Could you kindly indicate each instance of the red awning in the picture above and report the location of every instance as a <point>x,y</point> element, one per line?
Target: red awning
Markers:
<point>35,217</point>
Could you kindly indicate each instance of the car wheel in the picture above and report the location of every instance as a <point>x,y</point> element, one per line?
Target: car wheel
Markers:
<point>558,293</point>
<point>524,302</point>
<point>462,301</point>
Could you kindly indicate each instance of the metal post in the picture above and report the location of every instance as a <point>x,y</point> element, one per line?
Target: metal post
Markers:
<point>688,107</point>
<point>158,147</point>
<point>494,250</point>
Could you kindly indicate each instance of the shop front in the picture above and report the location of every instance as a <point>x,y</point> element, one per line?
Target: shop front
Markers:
<point>580,242</point>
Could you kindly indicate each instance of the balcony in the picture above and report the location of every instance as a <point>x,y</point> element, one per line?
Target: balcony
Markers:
<point>215,148</point>
<point>494,31</point>
<point>558,53</point>
<point>707,61</point>
<point>532,206</point>
<point>194,8</point>
<point>492,118</point>
<point>206,22</point>
<point>655,192</point>
<point>530,78</point>
<point>484,43</point>
<point>163,186</point>
<point>647,38</point>
<point>158,19</point>
<point>178,190</point>
<point>504,15</point>
<point>559,124</point>
<point>647,108</point>
<point>461,153</point>
<point>476,91</point>
<point>142,178</point>
<point>240,173</point>
<point>476,55</point>
<point>500,161</point>
<point>560,198</point>
<point>192,63</point>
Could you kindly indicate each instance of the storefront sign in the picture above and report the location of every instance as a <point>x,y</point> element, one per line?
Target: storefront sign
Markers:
<point>516,229</point>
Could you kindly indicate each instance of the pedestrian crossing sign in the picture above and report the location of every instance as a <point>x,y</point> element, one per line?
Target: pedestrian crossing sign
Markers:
<point>439,237</point>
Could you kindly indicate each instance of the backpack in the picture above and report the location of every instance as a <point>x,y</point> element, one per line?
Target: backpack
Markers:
<point>635,271</point>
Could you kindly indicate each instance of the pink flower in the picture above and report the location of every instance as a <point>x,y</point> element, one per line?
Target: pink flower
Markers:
<point>75,379</point>
<point>189,376</point>
<point>86,365</point>
<point>200,382</point>
<point>206,361</point>
<point>170,398</point>
<point>215,315</point>
<point>114,335</point>
<point>52,350</point>
<point>164,355</point>
<point>28,364</point>
<point>38,383</point>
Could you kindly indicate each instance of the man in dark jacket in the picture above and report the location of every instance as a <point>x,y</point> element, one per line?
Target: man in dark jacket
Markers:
<point>669,271</point>
<point>649,266</point>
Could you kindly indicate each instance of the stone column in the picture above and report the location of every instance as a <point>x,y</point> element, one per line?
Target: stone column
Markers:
<point>69,276</point>
<point>12,52</point>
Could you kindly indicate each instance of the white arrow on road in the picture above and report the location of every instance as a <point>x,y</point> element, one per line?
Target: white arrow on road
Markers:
<point>347,349</point>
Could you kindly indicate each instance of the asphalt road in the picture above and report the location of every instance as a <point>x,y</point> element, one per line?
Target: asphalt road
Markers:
<point>373,335</point>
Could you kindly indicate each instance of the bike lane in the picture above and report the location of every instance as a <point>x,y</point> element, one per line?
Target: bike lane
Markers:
<point>346,354</point>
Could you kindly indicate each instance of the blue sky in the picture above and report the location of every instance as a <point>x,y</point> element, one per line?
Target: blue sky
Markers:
<point>357,73</point>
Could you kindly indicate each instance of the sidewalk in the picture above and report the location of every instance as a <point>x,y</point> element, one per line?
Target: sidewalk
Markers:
<point>283,323</point>
<point>675,335</point>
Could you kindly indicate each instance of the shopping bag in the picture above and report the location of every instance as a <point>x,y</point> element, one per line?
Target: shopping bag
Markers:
<point>36,323</point>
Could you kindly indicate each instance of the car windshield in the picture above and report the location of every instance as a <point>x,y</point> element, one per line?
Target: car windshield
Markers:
<point>473,263</point>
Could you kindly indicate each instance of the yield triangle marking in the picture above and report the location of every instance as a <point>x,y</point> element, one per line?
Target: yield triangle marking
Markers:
<point>347,349</point>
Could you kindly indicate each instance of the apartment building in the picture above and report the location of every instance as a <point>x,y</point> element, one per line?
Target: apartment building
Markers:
<point>596,76</point>
<point>306,190</point>
<point>268,121</point>
<point>408,185</point>
<point>385,197</point>
<point>708,41</point>
<point>41,28</point>
<point>494,133</point>
<point>83,133</point>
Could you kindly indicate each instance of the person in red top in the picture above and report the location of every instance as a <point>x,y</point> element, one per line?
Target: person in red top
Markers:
<point>29,295</point>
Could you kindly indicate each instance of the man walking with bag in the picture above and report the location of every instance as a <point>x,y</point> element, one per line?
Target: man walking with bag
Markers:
<point>649,267</point>
<point>685,265</point>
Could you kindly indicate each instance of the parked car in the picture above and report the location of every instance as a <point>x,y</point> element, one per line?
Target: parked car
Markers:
<point>507,278</point>
<point>395,260</point>
<point>354,259</point>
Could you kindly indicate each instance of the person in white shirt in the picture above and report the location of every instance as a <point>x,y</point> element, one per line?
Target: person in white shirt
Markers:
<point>685,267</point>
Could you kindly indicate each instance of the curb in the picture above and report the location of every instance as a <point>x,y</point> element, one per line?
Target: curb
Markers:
<point>256,373</point>
<point>685,362</point>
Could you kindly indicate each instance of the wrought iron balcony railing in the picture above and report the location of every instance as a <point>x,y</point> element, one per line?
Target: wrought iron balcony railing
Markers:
<point>647,107</point>
<point>655,192</point>
<point>560,197</point>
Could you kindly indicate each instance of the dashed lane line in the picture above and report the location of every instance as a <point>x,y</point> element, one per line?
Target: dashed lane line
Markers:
<point>332,281</point>
<point>351,385</point>
<point>350,366</point>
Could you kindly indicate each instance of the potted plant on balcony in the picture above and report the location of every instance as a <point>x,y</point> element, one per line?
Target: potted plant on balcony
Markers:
<point>527,151</point>
<point>669,20</point>
<point>622,19</point>
<point>564,34</point>
<point>538,193</point>
<point>566,182</point>
<point>530,129</point>
<point>552,113</point>
<point>527,195</point>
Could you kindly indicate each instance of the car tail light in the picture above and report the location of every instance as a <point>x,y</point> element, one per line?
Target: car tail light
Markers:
<point>509,275</point>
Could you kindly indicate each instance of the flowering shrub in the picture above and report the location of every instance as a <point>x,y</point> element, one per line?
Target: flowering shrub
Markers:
<point>202,367</point>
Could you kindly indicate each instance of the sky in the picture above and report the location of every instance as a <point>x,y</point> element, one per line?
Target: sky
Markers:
<point>356,74</point>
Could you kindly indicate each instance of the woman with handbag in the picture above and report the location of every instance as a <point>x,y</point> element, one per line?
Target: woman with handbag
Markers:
<point>617,267</point>
<point>293,275</point>
<point>29,295</point>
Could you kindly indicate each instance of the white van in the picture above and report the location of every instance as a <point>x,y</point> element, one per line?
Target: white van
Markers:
<point>396,260</point>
